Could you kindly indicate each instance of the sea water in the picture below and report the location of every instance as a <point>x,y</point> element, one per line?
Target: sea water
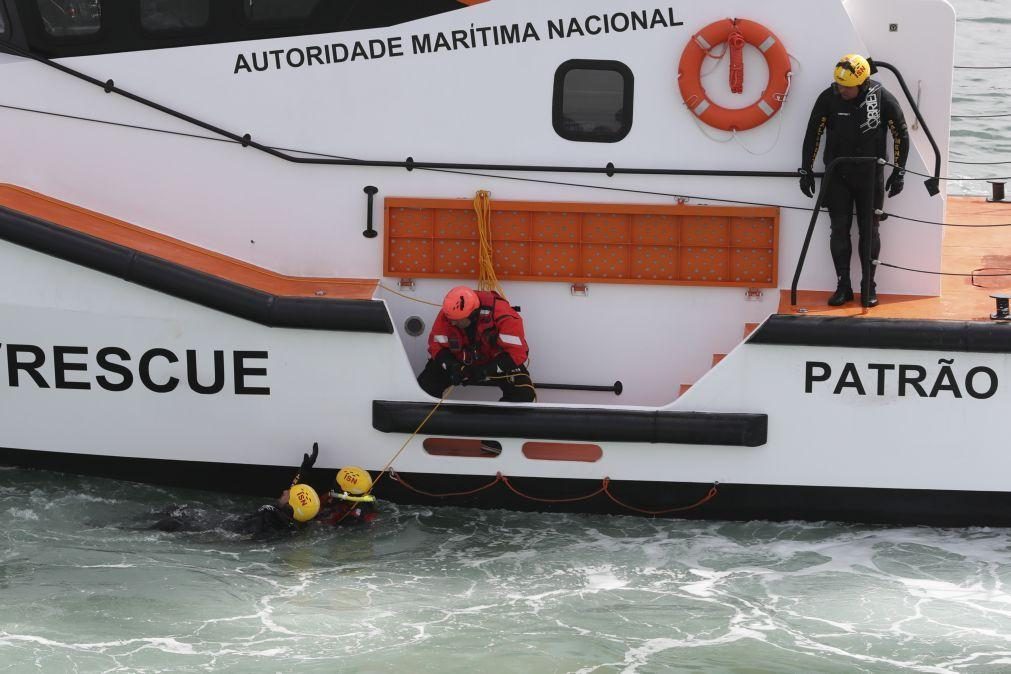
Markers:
<point>87,586</point>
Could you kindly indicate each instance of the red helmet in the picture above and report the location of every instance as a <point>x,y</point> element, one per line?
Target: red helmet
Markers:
<point>460,303</point>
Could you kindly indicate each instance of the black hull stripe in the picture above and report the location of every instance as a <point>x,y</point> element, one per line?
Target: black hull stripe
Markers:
<point>154,273</point>
<point>733,502</point>
<point>552,423</point>
<point>884,333</point>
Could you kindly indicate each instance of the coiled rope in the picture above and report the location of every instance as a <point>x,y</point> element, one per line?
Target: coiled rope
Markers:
<point>486,278</point>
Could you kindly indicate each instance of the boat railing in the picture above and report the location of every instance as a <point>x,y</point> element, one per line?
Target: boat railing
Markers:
<point>410,164</point>
<point>933,184</point>
<point>831,172</point>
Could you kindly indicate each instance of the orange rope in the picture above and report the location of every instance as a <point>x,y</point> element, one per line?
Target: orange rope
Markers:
<point>712,494</point>
<point>387,468</point>
<point>604,488</point>
<point>505,481</point>
<point>396,477</point>
<point>417,430</point>
<point>499,477</point>
<point>486,279</point>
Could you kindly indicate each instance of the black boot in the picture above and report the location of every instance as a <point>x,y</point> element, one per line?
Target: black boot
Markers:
<point>843,294</point>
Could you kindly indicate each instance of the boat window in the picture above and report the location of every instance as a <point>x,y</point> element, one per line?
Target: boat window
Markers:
<point>278,10</point>
<point>71,18</point>
<point>174,15</point>
<point>593,101</point>
<point>479,449</point>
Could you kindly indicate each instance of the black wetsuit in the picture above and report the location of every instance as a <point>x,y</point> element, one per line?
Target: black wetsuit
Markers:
<point>856,128</point>
<point>268,521</point>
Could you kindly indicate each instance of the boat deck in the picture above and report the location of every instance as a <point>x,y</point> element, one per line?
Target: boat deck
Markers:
<point>965,249</point>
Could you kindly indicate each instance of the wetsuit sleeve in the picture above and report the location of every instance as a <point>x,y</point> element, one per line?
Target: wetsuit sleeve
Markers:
<point>815,129</point>
<point>438,338</point>
<point>897,127</point>
<point>511,338</point>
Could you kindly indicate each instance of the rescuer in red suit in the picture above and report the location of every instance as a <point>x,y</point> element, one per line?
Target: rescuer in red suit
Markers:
<point>478,336</point>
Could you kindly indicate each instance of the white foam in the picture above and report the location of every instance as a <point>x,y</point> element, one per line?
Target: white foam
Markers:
<point>23,514</point>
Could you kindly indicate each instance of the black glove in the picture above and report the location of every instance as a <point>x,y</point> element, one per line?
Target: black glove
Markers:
<point>452,366</point>
<point>503,363</point>
<point>455,372</point>
<point>896,182</point>
<point>308,461</point>
<point>806,182</point>
<point>475,373</point>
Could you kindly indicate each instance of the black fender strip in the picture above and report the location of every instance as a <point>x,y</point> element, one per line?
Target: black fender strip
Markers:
<point>568,423</point>
<point>309,313</point>
<point>884,333</point>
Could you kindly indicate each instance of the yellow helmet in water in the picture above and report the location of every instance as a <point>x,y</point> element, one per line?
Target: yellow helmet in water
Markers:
<point>852,70</point>
<point>354,480</point>
<point>304,502</point>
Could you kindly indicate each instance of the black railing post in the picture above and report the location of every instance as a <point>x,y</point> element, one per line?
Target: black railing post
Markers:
<point>933,184</point>
<point>826,180</point>
<point>866,239</point>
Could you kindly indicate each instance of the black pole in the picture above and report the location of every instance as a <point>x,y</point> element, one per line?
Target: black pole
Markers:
<point>933,184</point>
<point>865,238</point>
<point>826,180</point>
<point>369,232</point>
<point>616,388</point>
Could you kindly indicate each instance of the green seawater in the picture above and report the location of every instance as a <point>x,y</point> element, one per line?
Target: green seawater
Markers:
<point>87,586</point>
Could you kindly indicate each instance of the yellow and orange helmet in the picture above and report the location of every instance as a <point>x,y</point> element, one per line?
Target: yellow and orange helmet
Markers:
<point>852,70</point>
<point>304,502</point>
<point>354,480</point>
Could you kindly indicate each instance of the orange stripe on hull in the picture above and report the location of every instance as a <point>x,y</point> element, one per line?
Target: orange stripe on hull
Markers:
<point>182,253</point>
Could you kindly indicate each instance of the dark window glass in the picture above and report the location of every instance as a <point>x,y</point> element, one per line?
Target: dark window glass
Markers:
<point>593,101</point>
<point>172,15</point>
<point>71,18</point>
<point>278,10</point>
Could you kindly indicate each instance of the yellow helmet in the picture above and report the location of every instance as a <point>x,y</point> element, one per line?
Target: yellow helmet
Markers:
<point>304,502</point>
<point>852,70</point>
<point>354,480</point>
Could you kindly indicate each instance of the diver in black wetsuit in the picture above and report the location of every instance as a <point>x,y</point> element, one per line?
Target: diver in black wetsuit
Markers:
<point>294,507</point>
<point>857,113</point>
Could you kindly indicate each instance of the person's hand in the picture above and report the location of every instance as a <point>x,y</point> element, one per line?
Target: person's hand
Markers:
<point>806,182</point>
<point>455,370</point>
<point>308,461</point>
<point>896,182</point>
<point>474,373</point>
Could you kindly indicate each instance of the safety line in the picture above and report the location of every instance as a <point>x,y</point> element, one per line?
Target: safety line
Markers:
<point>937,273</point>
<point>605,488</point>
<point>883,162</point>
<point>558,183</point>
<point>408,297</point>
<point>979,163</point>
<point>945,224</point>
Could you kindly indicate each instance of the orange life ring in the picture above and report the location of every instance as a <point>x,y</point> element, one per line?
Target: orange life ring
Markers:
<point>690,75</point>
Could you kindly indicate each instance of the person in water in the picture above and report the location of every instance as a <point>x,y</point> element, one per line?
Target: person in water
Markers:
<point>353,504</point>
<point>477,336</point>
<point>857,113</point>
<point>297,506</point>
